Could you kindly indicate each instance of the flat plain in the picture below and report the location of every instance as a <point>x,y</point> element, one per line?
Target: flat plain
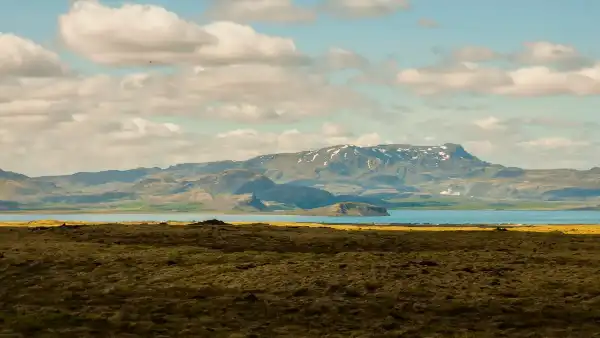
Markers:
<point>286,280</point>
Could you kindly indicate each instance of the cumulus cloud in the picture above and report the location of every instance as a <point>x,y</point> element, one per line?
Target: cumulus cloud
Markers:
<point>279,11</point>
<point>255,93</point>
<point>557,152</point>
<point>98,143</point>
<point>243,93</point>
<point>365,8</point>
<point>467,77</point>
<point>517,141</point>
<point>553,54</point>
<point>228,71</point>
<point>146,34</point>
<point>540,69</point>
<point>24,58</point>
<point>537,53</point>
<point>333,130</point>
<point>244,143</point>
<point>94,143</point>
<point>340,59</point>
<point>553,143</point>
<point>94,122</point>
<point>490,123</point>
<point>527,81</point>
<point>234,73</point>
<point>380,73</point>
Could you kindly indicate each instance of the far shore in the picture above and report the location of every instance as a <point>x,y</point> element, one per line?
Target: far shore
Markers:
<point>574,229</point>
<point>298,212</point>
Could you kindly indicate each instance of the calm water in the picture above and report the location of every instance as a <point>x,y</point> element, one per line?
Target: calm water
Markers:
<point>400,216</point>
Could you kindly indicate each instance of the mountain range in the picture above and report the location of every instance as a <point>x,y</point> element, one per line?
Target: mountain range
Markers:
<point>389,176</point>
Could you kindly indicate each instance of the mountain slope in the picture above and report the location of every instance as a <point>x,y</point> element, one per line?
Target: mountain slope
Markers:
<point>380,175</point>
<point>18,187</point>
<point>397,166</point>
<point>407,163</point>
<point>9,175</point>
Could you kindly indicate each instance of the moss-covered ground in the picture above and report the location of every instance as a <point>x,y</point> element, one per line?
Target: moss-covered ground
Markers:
<point>152,280</point>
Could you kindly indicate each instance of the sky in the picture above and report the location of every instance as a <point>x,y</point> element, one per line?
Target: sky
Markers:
<point>89,85</point>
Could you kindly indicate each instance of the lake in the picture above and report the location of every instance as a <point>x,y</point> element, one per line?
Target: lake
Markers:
<point>397,216</point>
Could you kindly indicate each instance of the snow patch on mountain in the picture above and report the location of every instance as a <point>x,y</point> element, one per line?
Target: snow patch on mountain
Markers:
<point>375,156</point>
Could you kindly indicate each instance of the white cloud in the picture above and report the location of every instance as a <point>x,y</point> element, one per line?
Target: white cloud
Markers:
<point>541,69</point>
<point>333,130</point>
<point>130,34</point>
<point>137,128</point>
<point>244,93</point>
<point>146,34</point>
<point>464,77</point>
<point>281,11</point>
<point>367,140</point>
<point>482,148</point>
<point>537,53</point>
<point>553,143</point>
<point>244,143</point>
<point>381,73</point>
<point>24,58</point>
<point>528,81</point>
<point>340,59</point>
<point>248,112</point>
<point>232,93</point>
<point>73,123</point>
<point>93,143</point>
<point>490,123</point>
<point>553,54</point>
<point>365,8</point>
<point>52,123</point>
<point>527,142</point>
<point>539,81</point>
<point>249,93</point>
<point>99,143</point>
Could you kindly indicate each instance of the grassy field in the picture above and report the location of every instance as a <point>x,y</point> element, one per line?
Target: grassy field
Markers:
<point>253,280</point>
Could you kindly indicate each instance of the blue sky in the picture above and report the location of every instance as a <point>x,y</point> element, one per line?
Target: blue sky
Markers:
<point>436,107</point>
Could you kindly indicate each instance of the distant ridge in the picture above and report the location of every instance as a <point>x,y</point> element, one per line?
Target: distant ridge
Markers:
<point>387,175</point>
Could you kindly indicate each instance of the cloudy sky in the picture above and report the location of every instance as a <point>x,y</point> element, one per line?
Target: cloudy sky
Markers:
<point>90,85</point>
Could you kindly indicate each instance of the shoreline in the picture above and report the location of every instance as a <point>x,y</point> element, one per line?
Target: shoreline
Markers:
<point>571,229</point>
<point>279,213</point>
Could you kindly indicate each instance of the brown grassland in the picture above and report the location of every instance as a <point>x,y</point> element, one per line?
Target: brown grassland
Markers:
<point>256,280</point>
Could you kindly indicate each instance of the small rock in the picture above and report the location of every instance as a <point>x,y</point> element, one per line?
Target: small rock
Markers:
<point>251,297</point>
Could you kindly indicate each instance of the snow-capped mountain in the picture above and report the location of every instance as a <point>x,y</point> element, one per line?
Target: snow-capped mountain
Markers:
<point>314,177</point>
<point>344,161</point>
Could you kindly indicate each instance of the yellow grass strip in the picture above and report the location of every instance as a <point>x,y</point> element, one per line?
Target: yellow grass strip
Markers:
<point>567,229</point>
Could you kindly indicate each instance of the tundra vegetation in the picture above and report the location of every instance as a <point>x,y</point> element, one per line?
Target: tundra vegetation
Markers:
<point>220,280</point>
